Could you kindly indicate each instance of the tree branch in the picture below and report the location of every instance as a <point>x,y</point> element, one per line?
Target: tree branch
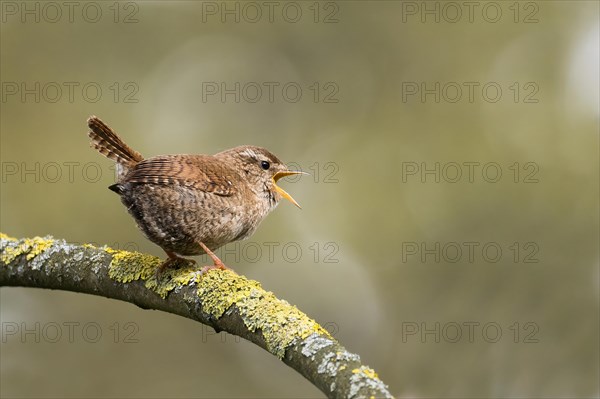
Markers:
<point>221,299</point>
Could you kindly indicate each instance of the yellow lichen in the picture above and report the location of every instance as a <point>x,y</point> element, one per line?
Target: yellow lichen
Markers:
<point>171,279</point>
<point>280,323</point>
<point>220,290</point>
<point>367,371</point>
<point>6,237</point>
<point>30,246</point>
<point>130,266</point>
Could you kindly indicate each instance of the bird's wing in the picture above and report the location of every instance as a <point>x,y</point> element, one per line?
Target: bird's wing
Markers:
<point>201,172</point>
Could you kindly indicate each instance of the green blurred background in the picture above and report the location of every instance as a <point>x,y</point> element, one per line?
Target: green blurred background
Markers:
<point>367,233</point>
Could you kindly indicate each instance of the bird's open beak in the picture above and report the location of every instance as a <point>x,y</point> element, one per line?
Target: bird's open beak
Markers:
<point>280,190</point>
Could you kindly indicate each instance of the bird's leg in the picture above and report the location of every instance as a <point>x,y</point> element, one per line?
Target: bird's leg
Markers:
<point>217,263</point>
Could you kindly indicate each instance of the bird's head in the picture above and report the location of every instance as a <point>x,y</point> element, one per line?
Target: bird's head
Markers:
<point>262,170</point>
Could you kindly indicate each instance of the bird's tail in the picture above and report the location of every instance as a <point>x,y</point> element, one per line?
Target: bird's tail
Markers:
<point>106,141</point>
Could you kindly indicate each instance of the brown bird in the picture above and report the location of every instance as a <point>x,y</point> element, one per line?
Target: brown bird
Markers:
<point>194,204</point>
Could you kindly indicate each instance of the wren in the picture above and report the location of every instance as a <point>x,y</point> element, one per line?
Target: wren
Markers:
<point>194,204</point>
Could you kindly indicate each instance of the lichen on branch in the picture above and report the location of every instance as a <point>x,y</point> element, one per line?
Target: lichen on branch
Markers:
<point>219,298</point>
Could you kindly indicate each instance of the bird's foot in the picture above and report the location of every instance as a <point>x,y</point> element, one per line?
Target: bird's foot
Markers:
<point>173,262</point>
<point>217,263</point>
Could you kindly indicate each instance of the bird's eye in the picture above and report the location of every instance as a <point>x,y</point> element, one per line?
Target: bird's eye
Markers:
<point>265,165</point>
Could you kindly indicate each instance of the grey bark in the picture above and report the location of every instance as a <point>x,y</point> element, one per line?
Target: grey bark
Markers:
<point>54,264</point>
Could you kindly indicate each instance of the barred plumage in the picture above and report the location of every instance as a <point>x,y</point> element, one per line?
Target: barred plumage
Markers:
<point>192,204</point>
<point>106,141</point>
